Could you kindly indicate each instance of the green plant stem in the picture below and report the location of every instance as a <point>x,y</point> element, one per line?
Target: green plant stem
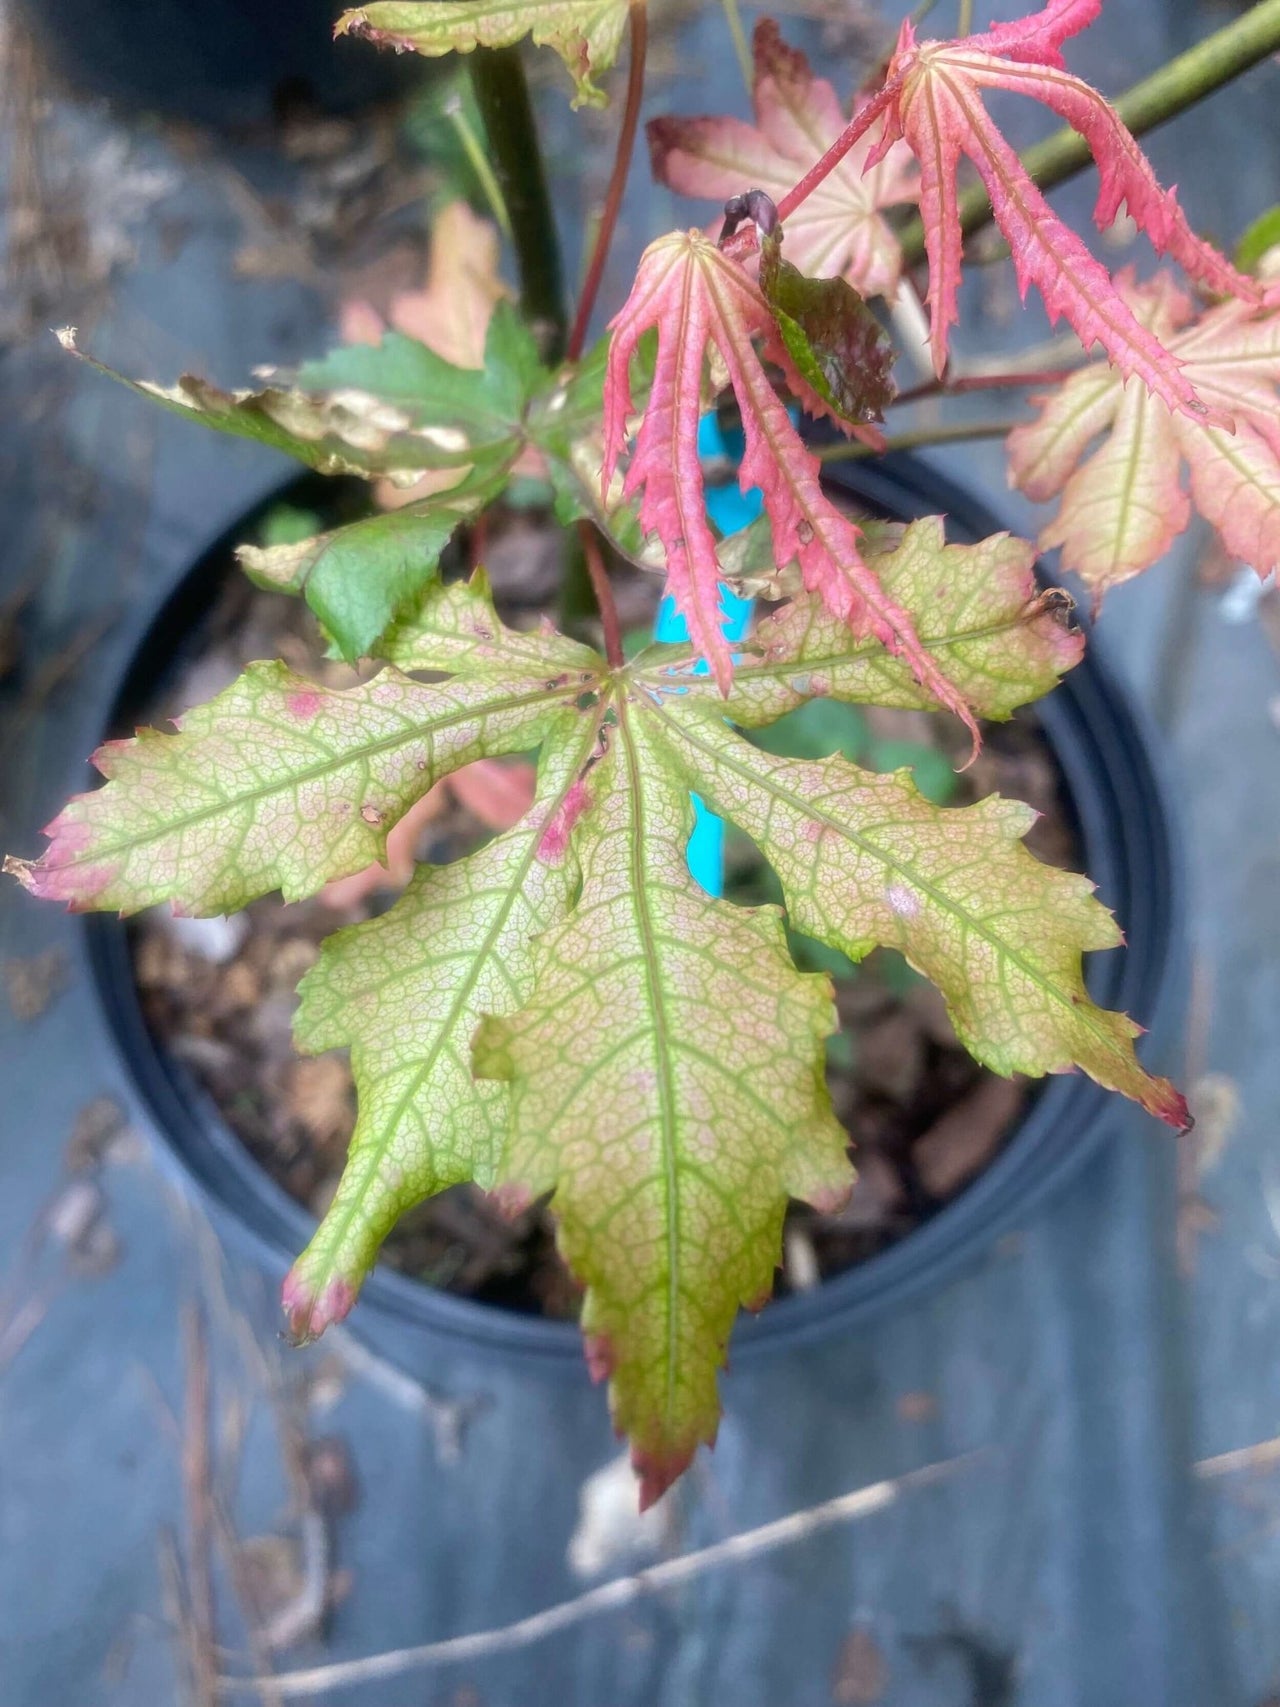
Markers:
<point>919,439</point>
<point>502,96</point>
<point>638,17</point>
<point>734,17</point>
<point>1180,84</point>
<point>964,18</point>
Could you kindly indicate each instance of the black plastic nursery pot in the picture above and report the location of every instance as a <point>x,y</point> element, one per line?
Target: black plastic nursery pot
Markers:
<point>1104,753</point>
<point>215,62</point>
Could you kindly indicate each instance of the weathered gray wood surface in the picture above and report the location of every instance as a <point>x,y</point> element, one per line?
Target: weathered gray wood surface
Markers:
<point>1077,1560</point>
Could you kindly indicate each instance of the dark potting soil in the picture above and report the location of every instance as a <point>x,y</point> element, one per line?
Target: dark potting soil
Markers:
<point>923,1118</point>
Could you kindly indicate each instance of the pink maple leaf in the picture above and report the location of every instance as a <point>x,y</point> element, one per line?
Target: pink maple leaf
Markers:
<point>701,300</point>
<point>932,100</point>
<point>1124,504</point>
<point>839,231</point>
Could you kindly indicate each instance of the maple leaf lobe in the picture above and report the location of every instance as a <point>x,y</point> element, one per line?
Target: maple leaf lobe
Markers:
<point>1123,501</point>
<point>932,100</point>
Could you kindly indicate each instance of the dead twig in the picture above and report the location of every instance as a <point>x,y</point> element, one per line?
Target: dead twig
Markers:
<point>197,1484</point>
<point>1262,1455</point>
<point>609,1597</point>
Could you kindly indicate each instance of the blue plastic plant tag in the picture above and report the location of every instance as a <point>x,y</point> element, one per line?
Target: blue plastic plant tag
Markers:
<point>731,510</point>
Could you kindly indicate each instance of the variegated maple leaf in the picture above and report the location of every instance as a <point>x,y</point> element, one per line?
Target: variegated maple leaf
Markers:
<point>280,783</point>
<point>647,1054</point>
<point>701,300</point>
<point>933,100</point>
<point>1123,506</point>
<point>1003,640</point>
<point>839,229</point>
<point>585,33</point>
<point>395,409</point>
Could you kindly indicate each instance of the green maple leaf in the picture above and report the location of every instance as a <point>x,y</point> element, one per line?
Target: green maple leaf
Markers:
<point>1002,640</point>
<point>566,422</point>
<point>646,1054</point>
<point>865,861</point>
<point>461,635</point>
<point>394,409</point>
<point>281,783</point>
<point>406,992</point>
<point>358,577</point>
<point>585,33</point>
<point>667,1085</point>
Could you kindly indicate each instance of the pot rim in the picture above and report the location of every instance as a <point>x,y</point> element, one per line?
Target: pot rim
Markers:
<point>1105,749</point>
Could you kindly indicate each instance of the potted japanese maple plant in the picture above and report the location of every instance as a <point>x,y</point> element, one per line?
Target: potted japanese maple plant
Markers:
<point>567,1011</point>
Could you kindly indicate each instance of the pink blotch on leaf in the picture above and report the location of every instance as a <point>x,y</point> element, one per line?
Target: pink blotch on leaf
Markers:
<point>555,838</point>
<point>303,704</point>
<point>104,759</point>
<point>903,900</point>
<point>831,1199</point>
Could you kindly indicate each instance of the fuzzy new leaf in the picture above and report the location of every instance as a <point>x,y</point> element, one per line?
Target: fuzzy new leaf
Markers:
<point>839,231</point>
<point>585,33</point>
<point>280,783</point>
<point>699,299</point>
<point>1124,504</point>
<point>933,100</point>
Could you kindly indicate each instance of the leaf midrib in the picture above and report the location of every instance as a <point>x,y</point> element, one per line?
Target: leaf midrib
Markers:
<point>870,653</point>
<point>97,851</point>
<point>662,1045</point>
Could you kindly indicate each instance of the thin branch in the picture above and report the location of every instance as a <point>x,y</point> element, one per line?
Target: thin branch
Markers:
<point>609,1597</point>
<point>197,1483</point>
<point>984,382</point>
<point>638,17</point>
<point>964,18</point>
<point>1263,1455</point>
<point>920,439</point>
<point>604,595</point>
